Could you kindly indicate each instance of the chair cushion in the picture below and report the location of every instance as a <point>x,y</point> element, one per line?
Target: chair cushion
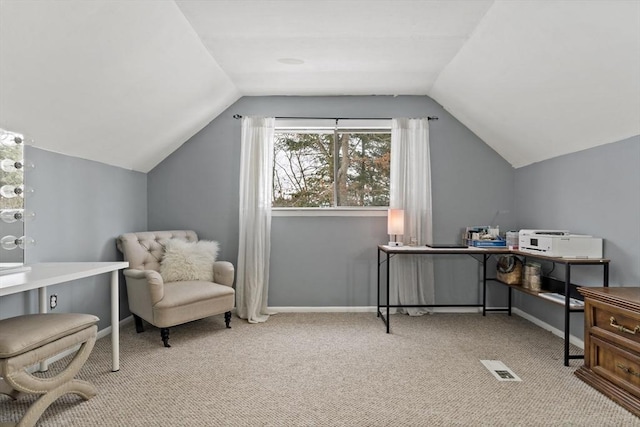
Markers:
<point>178,294</point>
<point>191,300</point>
<point>188,260</point>
<point>24,333</point>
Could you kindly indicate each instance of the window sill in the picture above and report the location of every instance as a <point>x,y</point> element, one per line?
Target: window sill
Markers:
<point>377,212</point>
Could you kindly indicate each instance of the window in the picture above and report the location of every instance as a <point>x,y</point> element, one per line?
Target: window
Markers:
<point>326,163</point>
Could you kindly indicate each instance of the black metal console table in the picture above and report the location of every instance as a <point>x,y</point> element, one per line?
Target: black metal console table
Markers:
<point>482,255</point>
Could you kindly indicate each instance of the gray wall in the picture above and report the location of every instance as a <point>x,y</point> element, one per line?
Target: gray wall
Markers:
<point>331,261</point>
<point>81,206</point>
<point>595,192</point>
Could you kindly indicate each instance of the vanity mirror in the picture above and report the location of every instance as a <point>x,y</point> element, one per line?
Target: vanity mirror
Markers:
<point>13,210</point>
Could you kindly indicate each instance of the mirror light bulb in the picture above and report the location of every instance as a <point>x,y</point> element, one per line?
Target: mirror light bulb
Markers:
<point>13,215</point>
<point>10,191</point>
<point>9,165</point>
<point>12,242</point>
<point>12,139</point>
<point>9,242</point>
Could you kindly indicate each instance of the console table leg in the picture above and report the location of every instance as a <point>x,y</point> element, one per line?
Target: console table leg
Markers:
<point>378,311</point>
<point>484,284</point>
<point>567,314</point>
<point>388,296</point>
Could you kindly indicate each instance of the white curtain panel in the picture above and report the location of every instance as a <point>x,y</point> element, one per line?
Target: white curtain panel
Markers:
<point>411,276</point>
<point>254,247</point>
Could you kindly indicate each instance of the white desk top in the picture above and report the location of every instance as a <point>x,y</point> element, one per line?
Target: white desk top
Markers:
<point>486,250</point>
<point>442,251</point>
<point>51,273</point>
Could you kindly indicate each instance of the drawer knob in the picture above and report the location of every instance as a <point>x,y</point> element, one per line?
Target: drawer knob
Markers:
<point>613,323</point>
<point>627,370</point>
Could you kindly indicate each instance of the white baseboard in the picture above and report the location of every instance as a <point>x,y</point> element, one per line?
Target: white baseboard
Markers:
<point>331,309</point>
<point>367,309</point>
<point>107,331</point>
<point>457,309</point>
<point>544,325</point>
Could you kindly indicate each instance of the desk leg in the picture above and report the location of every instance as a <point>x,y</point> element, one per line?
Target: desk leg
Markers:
<point>388,296</point>
<point>567,314</point>
<point>378,311</point>
<point>484,284</point>
<point>42,308</point>
<point>605,279</point>
<point>115,322</point>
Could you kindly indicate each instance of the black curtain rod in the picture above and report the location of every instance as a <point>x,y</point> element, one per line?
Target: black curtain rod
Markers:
<point>238,116</point>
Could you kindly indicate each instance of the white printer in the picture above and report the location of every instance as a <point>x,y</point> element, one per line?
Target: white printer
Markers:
<point>559,243</point>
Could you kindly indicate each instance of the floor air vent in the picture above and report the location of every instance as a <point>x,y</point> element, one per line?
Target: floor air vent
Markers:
<point>500,370</point>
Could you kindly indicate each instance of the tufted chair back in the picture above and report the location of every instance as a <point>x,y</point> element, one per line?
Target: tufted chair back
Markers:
<point>145,250</point>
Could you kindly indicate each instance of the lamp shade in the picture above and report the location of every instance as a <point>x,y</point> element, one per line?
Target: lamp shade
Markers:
<point>395,222</point>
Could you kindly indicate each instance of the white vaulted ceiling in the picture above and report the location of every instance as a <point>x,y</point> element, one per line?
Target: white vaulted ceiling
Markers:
<point>539,79</point>
<point>120,82</point>
<point>127,82</point>
<point>360,47</point>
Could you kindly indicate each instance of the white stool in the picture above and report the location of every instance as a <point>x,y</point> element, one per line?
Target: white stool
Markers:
<point>29,339</point>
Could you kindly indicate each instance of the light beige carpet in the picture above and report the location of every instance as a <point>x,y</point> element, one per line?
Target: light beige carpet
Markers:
<point>335,369</point>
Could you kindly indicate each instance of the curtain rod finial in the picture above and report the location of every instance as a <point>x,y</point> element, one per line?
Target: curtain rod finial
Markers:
<point>237,116</point>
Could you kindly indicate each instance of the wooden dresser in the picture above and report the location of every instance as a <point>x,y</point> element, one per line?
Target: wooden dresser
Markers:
<point>612,344</point>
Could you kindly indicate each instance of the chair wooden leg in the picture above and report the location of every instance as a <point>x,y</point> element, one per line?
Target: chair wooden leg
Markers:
<point>139,325</point>
<point>227,319</point>
<point>164,334</point>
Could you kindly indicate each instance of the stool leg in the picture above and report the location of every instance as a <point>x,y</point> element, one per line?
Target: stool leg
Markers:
<point>81,388</point>
<point>25,382</point>
<point>6,389</point>
<point>17,376</point>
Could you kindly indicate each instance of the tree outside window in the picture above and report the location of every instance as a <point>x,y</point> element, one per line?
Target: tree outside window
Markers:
<point>340,168</point>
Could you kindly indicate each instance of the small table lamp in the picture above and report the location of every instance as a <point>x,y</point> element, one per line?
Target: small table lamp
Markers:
<point>395,226</point>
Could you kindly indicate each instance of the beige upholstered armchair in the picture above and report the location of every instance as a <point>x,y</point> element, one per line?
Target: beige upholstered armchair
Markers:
<point>166,303</point>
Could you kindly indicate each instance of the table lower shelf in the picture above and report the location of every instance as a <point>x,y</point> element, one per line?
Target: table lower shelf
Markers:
<point>539,294</point>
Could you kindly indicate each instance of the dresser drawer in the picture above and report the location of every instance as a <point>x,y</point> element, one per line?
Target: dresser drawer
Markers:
<point>615,364</point>
<point>615,323</point>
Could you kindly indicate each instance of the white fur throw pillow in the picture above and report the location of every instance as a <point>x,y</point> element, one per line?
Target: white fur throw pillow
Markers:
<point>188,260</point>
